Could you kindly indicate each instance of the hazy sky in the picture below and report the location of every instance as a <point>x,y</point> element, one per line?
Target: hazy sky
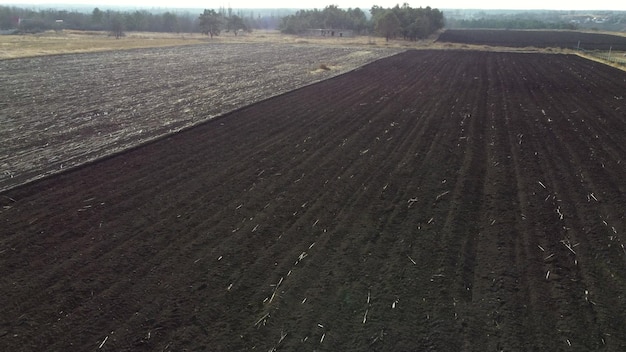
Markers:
<point>363,4</point>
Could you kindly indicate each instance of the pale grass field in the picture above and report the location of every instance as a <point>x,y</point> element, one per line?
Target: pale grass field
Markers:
<point>65,42</point>
<point>69,41</point>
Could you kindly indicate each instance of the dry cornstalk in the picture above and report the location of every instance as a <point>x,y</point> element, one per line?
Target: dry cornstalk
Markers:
<point>542,185</point>
<point>558,211</point>
<point>441,195</point>
<point>272,297</point>
<point>105,340</point>
<point>365,316</point>
<point>567,245</point>
<point>411,259</point>
<point>267,315</point>
<point>282,337</point>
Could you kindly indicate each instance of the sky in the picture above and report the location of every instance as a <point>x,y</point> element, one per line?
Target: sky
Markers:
<point>363,4</point>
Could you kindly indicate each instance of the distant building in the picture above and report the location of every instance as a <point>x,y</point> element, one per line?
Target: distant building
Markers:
<point>329,33</point>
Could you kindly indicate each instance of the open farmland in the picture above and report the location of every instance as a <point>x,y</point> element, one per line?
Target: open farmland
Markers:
<point>61,111</point>
<point>433,200</point>
<point>535,38</point>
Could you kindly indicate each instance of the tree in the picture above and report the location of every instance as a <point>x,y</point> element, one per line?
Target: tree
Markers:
<point>117,26</point>
<point>170,22</point>
<point>96,17</point>
<point>358,20</point>
<point>333,17</point>
<point>211,23</point>
<point>423,26</point>
<point>388,25</point>
<point>235,23</point>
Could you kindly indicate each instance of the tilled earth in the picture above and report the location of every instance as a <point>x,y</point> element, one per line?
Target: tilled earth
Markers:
<point>535,38</point>
<point>61,111</point>
<point>433,200</point>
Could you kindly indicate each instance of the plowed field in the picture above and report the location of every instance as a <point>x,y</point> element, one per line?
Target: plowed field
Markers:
<point>60,111</point>
<point>535,38</point>
<point>433,200</point>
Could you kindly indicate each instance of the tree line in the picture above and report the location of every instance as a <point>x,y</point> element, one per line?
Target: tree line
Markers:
<point>407,22</point>
<point>510,20</point>
<point>117,22</point>
<point>32,21</point>
<point>503,23</point>
<point>212,22</point>
<point>400,21</point>
<point>331,17</point>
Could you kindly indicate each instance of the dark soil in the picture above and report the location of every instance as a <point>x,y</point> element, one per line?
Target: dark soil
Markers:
<point>535,38</point>
<point>430,201</point>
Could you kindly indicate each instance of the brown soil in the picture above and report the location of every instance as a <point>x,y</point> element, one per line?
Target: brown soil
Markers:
<point>434,200</point>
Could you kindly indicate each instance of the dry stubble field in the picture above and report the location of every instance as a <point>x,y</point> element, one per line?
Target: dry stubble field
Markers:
<point>64,110</point>
<point>433,200</point>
